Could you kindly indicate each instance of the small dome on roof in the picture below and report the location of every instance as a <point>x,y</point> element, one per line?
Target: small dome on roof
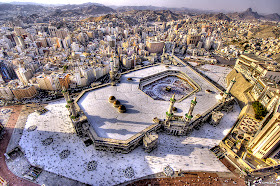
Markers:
<point>122,107</point>
<point>117,102</point>
<point>112,98</point>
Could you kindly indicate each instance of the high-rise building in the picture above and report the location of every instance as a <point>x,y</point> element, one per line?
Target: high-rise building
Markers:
<point>78,77</point>
<point>112,41</point>
<point>193,39</point>
<point>208,43</point>
<point>6,93</point>
<point>64,80</point>
<point>7,71</point>
<point>24,92</point>
<point>52,31</point>
<point>19,41</point>
<point>54,78</point>
<point>98,72</point>
<point>19,31</point>
<point>61,34</point>
<point>267,140</point>
<point>154,46</point>
<point>253,67</point>
<point>45,82</point>
<point>43,42</point>
<point>24,75</point>
<point>88,73</point>
<point>126,62</point>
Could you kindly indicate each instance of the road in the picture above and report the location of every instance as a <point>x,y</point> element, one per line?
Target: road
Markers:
<point>5,173</point>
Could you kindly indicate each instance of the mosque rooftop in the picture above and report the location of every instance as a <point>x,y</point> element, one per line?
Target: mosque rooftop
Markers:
<point>141,107</point>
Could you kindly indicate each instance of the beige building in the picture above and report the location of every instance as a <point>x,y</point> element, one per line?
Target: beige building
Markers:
<point>193,39</point>
<point>61,33</point>
<point>52,30</point>
<point>253,67</point>
<point>19,41</point>
<point>154,46</point>
<point>263,75</point>
<point>24,75</point>
<point>64,80</point>
<point>6,93</point>
<point>252,144</point>
<point>266,141</point>
<point>24,92</point>
<point>45,82</point>
<point>266,92</point>
<point>43,42</point>
<point>19,31</point>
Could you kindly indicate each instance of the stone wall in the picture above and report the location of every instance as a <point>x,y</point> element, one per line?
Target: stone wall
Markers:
<point>240,88</point>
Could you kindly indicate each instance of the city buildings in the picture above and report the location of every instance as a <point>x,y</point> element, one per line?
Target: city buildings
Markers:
<point>253,143</point>
<point>86,59</point>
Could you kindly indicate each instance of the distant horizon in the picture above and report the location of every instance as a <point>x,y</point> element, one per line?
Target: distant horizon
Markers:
<point>260,6</point>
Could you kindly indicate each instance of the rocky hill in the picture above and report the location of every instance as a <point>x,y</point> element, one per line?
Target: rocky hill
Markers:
<point>266,30</point>
<point>95,9</point>
<point>135,16</point>
<point>88,9</point>
<point>130,8</point>
<point>215,17</point>
<point>250,15</point>
<point>77,6</point>
<point>12,10</point>
<point>108,17</point>
<point>155,16</point>
<point>156,8</point>
<point>272,17</point>
<point>12,7</point>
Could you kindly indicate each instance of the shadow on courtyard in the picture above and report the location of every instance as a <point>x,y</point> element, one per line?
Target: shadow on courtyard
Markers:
<point>168,145</point>
<point>129,107</point>
<point>99,123</point>
<point>170,149</point>
<point>133,80</point>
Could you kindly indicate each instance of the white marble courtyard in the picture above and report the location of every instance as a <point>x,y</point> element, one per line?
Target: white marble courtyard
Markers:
<point>141,109</point>
<point>216,73</point>
<point>186,153</point>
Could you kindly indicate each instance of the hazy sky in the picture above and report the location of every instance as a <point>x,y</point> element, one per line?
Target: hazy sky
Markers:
<point>261,6</point>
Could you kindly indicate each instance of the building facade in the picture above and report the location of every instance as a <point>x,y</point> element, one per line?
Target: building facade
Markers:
<point>24,92</point>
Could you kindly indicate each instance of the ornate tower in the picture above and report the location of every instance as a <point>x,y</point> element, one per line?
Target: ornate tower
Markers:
<point>226,94</point>
<point>189,114</point>
<point>169,113</point>
<point>69,101</point>
<point>65,94</point>
<point>116,62</point>
<point>172,56</point>
<point>112,73</point>
<point>173,49</point>
<point>163,55</point>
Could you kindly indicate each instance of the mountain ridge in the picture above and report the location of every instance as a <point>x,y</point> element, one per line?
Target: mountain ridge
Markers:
<point>90,9</point>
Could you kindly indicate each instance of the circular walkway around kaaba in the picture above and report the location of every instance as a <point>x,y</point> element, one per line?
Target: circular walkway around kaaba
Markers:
<point>164,88</point>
